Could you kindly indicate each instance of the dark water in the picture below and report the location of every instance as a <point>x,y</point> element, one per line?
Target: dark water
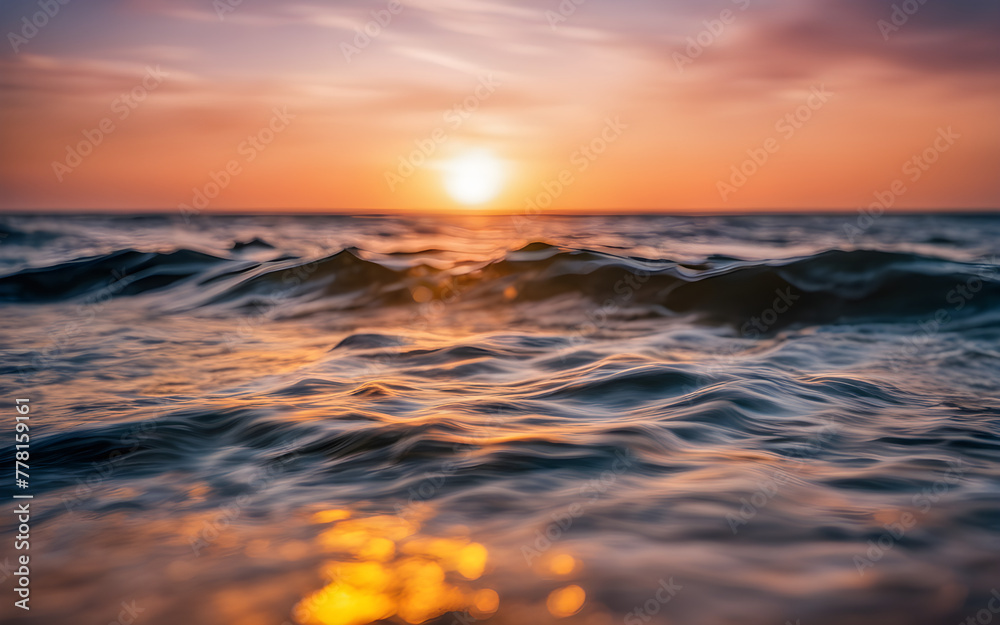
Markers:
<point>247,421</point>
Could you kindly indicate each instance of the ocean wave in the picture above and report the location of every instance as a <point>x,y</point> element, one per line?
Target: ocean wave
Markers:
<point>125,272</point>
<point>827,287</point>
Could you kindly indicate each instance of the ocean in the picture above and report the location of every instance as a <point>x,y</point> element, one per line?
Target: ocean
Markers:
<point>336,420</point>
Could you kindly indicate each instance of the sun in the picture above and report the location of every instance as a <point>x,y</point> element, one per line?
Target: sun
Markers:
<point>474,177</point>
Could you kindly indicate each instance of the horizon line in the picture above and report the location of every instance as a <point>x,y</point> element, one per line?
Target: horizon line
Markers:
<point>471,212</point>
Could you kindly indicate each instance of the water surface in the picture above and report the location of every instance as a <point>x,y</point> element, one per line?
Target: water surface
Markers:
<point>339,421</point>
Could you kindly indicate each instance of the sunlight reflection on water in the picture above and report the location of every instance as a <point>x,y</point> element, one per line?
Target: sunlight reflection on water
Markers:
<point>384,567</point>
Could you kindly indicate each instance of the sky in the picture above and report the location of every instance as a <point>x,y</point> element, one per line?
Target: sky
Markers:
<point>547,105</point>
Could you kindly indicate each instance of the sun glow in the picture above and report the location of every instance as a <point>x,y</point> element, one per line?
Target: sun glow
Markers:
<point>474,177</point>
<point>383,566</point>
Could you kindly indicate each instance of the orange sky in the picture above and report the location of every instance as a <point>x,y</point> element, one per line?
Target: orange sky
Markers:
<point>673,96</point>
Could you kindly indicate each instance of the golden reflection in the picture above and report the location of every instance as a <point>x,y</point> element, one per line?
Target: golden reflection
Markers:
<point>422,295</point>
<point>566,601</point>
<point>484,603</point>
<point>384,569</point>
<point>329,516</point>
<point>562,564</point>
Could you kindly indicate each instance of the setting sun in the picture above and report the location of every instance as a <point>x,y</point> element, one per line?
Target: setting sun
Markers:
<point>474,177</point>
